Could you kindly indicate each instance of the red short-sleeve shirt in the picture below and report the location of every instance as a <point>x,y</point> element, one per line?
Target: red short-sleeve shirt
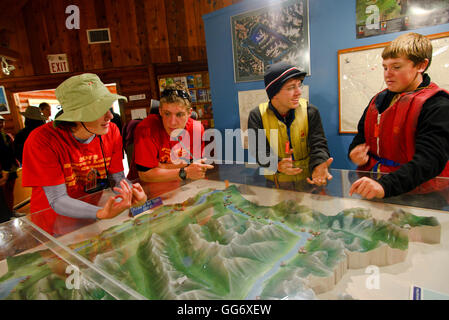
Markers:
<point>52,156</point>
<point>153,144</point>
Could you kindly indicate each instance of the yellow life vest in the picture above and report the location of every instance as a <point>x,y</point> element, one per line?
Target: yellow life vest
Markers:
<point>299,130</point>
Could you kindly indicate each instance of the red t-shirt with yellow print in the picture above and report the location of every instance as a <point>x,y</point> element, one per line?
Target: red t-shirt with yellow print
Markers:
<point>52,156</point>
<point>154,145</point>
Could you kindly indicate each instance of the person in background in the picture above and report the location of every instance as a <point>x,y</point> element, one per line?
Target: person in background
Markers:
<point>128,138</point>
<point>77,155</point>
<point>160,140</point>
<point>298,122</point>
<point>8,172</point>
<point>116,119</point>
<point>118,122</point>
<point>33,119</point>
<point>404,131</point>
<point>46,110</point>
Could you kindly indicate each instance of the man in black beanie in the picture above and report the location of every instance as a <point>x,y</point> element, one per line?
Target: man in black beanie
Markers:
<point>301,145</point>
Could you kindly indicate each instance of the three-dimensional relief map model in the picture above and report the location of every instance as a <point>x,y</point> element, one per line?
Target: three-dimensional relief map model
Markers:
<point>219,245</point>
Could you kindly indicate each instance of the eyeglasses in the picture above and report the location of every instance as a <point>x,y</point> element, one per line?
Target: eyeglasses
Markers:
<point>180,93</point>
<point>293,87</point>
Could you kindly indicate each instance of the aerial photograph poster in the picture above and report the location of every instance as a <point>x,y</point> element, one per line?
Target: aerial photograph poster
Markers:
<point>269,35</point>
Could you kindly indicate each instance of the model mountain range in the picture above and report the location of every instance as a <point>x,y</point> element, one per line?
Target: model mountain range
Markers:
<point>219,245</point>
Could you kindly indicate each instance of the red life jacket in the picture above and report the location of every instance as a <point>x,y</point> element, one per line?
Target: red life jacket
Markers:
<point>391,135</point>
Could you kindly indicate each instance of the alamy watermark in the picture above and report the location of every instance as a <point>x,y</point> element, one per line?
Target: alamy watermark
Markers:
<point>73,20</point>
<point>233,153</point>
<point>373,280</point>
<point>73,281</point>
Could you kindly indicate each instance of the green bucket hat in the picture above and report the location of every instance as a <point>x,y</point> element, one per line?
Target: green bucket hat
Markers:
<point>84,98</point>
<point>33,113</point>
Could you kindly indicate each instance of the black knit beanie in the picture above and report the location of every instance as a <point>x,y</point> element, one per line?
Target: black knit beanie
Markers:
<point>277,74</point>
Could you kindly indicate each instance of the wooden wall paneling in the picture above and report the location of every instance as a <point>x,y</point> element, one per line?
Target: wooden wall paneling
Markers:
<point>42,14</point>
<point>205,6</point>
<point>142,32</point>
<point>33,83</point>
<point>192,29</point>
<point>73,41</point>
<point>112,15</point>
<point>123,24</point>
<point>133,34</point>
<point>176,26</point>
<point>102,22</point>
<point>182,31</point>
<point>53,20</point>
<point>201,36</point>
<point>17,40</point>
<point>36,38</point>
<point>91,54</point>
<point>225,3</point>
<point>156,22</point>
<point>9,9</point>
<point>171,23</point>
<point>128,33</point>
<point>75,51</point>
<point>154,86</point>
<point>137,81</point>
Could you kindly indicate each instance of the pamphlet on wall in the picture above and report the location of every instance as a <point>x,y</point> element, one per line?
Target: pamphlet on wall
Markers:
<point>193,95</point>
<point>138,113</point>
<point>162,84</point>
<point>198,81</point>
<point>202,95</point>
<point>190,81</point>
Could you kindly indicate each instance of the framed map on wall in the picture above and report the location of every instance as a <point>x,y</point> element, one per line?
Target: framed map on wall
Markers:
<point>4,107</point>
<point>360,77</point>
<point>265,36</point>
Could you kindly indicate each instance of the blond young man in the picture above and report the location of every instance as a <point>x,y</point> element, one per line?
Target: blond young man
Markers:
<point>404,131</point>
<point>168,145</point>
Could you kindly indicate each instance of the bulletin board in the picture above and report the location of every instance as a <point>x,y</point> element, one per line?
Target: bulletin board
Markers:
<point>360,77</point>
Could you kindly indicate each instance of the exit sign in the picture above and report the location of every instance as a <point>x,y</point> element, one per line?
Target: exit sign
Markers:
<point>58,63</point>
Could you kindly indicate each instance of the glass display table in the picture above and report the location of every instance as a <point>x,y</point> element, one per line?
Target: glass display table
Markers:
<point>237,235</point>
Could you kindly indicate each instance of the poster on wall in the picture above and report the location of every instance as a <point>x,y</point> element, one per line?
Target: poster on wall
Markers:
<point>269,35</point>
<point>4,107</point>
<point>376,17</point>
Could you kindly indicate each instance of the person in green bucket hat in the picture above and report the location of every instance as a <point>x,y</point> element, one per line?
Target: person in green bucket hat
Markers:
<point>75,156</point>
